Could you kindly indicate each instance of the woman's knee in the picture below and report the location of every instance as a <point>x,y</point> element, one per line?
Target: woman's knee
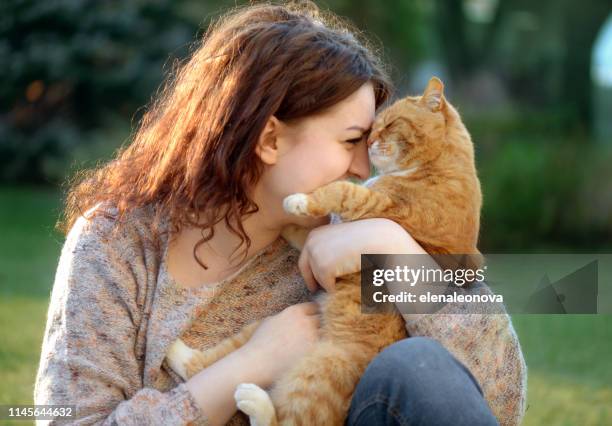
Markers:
<point>406,350</point>
<point>420,378</point>
<point>415,358</point>
<point>400,369</point>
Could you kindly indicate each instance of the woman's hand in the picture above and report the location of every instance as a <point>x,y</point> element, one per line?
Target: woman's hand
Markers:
<point>331,251</point>
<point>282,339</point>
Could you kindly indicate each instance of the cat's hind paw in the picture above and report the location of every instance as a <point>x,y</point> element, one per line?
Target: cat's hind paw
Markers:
<point>296,204</point>
<point>256,403</point>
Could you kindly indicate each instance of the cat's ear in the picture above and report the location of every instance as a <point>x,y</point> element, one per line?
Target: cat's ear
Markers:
<point>433,96</point>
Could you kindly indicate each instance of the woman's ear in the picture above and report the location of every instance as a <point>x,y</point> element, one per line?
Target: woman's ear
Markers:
<point>267,145</point>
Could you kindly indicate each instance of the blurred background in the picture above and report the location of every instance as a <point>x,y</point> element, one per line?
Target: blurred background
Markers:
<point>533,81</point>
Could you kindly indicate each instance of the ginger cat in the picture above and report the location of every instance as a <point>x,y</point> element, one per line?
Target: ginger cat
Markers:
<point>428,184</point>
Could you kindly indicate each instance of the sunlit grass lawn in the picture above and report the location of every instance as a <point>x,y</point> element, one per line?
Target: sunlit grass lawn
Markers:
<point>29,251</point>
<point>570,368</point>
<point>569,358</point>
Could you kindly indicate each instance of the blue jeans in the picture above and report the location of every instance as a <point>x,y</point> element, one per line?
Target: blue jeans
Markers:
<point>416,381</point>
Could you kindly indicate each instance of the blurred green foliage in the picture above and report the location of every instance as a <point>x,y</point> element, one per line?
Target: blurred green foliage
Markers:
<point>71,68</point>
<point>544,187</point>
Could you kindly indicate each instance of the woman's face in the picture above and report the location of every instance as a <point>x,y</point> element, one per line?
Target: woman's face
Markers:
<point>316,150</point>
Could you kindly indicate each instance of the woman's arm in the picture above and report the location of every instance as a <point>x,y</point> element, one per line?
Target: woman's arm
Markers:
<point>213,388</point>
<point>333,250</point>
<point>485,342</point>
<point>89,354</point>
<point>276,345</point>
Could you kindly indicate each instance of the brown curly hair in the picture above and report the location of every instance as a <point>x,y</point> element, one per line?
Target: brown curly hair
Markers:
<point>194,150</point>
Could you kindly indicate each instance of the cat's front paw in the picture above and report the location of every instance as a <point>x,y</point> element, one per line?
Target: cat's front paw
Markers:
<point>296,204</point>
<point>256,403</point>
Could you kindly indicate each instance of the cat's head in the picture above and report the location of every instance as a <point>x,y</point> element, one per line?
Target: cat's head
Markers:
<point>410,131</point>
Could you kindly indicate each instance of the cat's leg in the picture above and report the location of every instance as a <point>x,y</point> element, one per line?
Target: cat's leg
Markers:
<point>349,200</point>
<point>318,390</point>
<point>187,362</point>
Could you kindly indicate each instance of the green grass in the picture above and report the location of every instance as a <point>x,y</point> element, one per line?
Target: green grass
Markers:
<point>29,246</point>
<point>569,366</point>
<point>23,322</point>
<point>29,252</point>
<point>570,372</point>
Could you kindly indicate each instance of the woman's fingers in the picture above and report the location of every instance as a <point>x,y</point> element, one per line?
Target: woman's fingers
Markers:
<point>328,282</point>
<point>306,271</point>
<point>316,274</point>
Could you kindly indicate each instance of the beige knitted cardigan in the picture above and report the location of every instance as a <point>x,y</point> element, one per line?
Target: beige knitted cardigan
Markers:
<point>114,311</point>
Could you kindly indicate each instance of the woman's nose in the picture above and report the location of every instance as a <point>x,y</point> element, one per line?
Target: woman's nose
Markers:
<point>360,167</point>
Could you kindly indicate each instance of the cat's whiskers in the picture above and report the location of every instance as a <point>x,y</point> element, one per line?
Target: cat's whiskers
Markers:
<point>395,172</point>
<point>402,172</point>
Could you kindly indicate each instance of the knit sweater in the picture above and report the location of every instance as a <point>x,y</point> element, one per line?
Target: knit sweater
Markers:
<point>115,310</point>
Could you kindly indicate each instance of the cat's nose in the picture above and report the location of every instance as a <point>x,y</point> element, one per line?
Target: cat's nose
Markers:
<point>372,137</point>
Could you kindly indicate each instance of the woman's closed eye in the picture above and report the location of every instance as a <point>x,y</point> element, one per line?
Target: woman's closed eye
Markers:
<point>355,140</point>
<point>360,138</point>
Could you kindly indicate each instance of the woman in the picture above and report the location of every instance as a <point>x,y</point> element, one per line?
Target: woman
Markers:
<point>276,100</point>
